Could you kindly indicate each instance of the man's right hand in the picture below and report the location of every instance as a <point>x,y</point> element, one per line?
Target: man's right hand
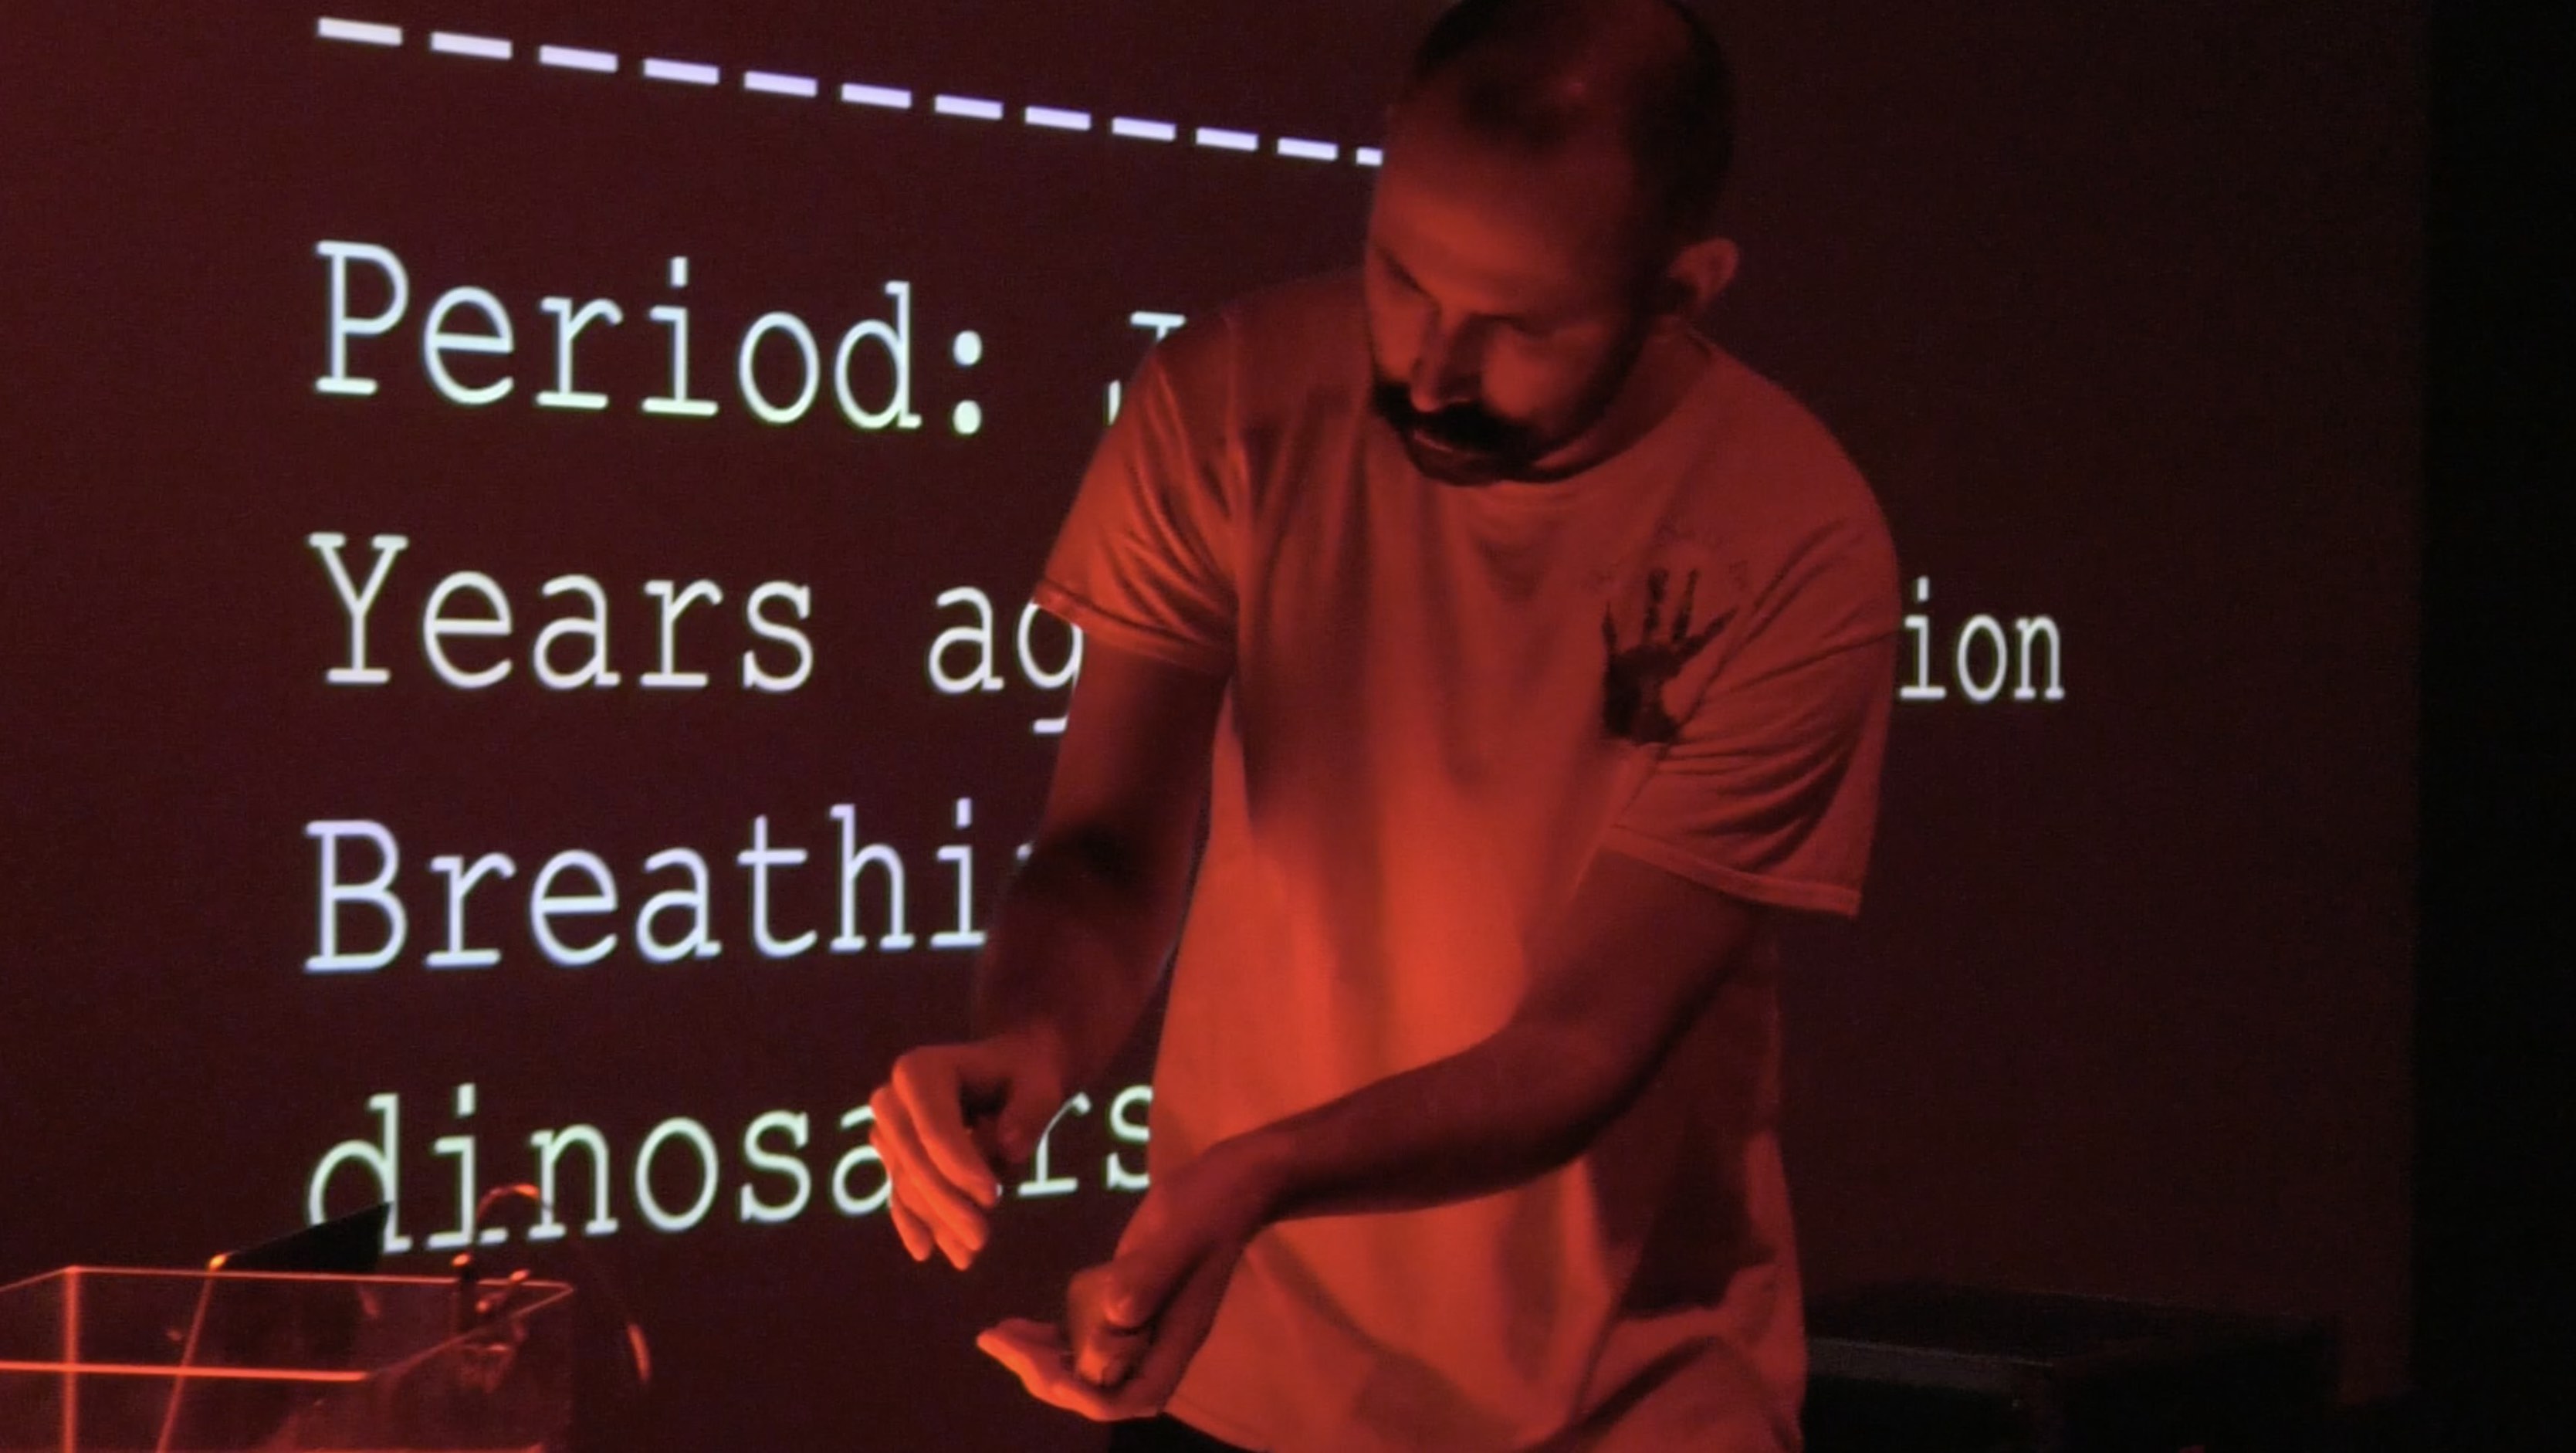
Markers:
<point>948,1118</point>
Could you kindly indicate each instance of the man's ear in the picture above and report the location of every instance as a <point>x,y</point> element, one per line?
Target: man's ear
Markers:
<point>1694,279</point>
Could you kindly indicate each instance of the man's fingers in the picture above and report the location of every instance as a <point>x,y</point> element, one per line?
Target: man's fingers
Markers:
<point>916,1180</point>
<point>908,1224</point>
<point>1033,1351</point>
<point>1108,1357</point>
<point>1136,1287</point>
<point>1108,1373</point>
<point>934,1102</point>
<point>1102,1354</point>
<point>1036,1355</point>
<point>957,1222</point>
<point>1183,1324</point>
<point>1148,1266</point>
<point>946,1238</point>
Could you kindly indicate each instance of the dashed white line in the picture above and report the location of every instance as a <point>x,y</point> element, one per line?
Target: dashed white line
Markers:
<point>361,32</point>
<point>857,93</point>
<point>1057,118</point>
<point>574,58</point>
<point>892,97</point>
<point>686,72</point>
<point>777,83</point>
<point>482,47</point>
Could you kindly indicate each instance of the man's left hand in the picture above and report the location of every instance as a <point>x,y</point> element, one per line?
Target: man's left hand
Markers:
<point>1156,1299</point>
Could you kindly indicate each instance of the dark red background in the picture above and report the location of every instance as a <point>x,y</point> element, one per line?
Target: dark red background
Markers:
<point>2115,305</point>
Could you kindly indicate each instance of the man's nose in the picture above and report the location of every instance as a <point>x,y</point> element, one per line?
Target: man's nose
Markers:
<point>1444,367</point>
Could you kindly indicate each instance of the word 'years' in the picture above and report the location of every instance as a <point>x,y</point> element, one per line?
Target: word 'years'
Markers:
<point>572,650</point>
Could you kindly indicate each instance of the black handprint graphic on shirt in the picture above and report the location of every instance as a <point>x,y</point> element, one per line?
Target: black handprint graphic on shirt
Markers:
<point>1632,689</point>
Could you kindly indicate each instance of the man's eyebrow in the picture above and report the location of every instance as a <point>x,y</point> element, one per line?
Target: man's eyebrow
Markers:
<point>1546,321</point>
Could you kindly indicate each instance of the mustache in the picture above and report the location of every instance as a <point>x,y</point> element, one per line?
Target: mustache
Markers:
<point>1464,427</point>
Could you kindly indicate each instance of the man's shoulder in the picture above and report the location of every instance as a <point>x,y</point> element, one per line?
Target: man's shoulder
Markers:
<point>1320,315</point>
<point>1291,336</point>
<point>1765,438</point>
<point>1770,472</point>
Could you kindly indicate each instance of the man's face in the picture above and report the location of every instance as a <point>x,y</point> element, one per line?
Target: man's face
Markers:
<point>1506,299</point>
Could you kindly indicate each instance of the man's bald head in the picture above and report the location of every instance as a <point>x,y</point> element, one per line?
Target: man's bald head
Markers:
<point>1535,76</point>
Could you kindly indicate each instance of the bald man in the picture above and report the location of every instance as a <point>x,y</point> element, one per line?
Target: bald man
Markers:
<point>1531,658</point>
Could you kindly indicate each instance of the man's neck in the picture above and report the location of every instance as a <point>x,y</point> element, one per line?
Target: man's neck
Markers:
<point>1667,368</point>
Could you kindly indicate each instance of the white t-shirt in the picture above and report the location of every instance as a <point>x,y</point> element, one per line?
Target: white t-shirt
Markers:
<point>1443,701</point>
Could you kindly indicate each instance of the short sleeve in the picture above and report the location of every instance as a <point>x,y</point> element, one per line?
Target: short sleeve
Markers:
<point>1146,558</point>
<point>1769,790</point>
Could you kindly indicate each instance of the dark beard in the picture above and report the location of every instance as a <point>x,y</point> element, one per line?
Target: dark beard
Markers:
<point>1466,444</point>
<point>1461,444</point>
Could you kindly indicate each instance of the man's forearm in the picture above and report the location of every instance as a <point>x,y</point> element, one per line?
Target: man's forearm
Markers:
<point>1625,971</point>
<point>1511,1107</point>
<point>1073,951</point>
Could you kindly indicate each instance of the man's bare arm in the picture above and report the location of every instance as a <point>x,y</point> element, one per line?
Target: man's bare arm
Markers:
<point>1071,955</point>
<point>1088,919</point>
<point>1633,962</point>
<point>1635,959</point>
<point>1639,953</point>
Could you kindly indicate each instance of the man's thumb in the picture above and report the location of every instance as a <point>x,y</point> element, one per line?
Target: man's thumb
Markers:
<point>1135,1292</point>
<point>1020,1129</point>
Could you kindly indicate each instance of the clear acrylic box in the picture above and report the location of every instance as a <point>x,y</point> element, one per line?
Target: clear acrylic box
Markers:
<point>98,1360</point>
